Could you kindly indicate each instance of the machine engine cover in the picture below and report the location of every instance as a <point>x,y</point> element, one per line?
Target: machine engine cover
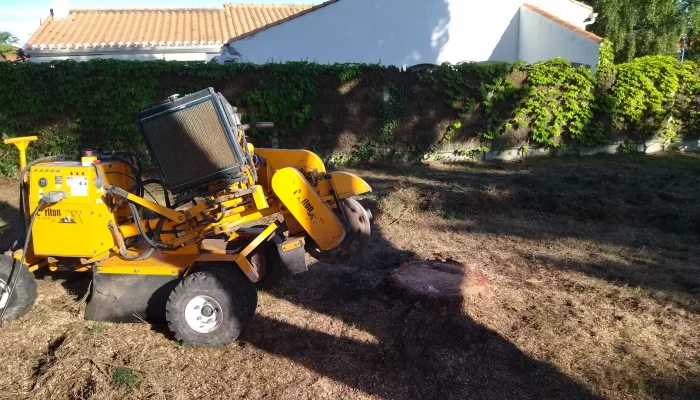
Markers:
<point>77,225</point>
<point>193,140</point>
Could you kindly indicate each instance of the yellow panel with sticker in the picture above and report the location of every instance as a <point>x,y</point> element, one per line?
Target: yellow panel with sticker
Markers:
<point>307,207</point>
<point>77,225</point>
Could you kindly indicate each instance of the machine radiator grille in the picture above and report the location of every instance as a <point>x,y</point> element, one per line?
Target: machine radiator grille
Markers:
<point>191,143</point>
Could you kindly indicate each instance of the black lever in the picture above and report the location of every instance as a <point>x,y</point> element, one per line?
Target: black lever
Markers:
<point>258,125</point>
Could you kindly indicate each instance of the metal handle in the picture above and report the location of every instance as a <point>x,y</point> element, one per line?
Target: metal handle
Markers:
<point>258,125</point>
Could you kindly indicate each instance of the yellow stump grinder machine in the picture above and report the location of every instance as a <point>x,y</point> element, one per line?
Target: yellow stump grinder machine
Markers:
<point>233,218</point>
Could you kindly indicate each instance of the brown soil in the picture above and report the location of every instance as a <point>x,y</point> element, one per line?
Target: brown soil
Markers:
<point>594,283</point>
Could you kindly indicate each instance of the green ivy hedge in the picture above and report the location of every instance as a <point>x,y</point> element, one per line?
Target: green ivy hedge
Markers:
<point>73,105</point>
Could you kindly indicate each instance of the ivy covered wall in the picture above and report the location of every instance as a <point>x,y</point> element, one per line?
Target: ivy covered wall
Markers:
<point>354,112</point>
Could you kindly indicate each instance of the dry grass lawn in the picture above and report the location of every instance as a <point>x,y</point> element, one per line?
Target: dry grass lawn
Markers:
<point>594,270</point>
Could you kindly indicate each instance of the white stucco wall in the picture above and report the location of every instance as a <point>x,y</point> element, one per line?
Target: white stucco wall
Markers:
<point>480,31</point>
<point>402,32</point>
<point>542,39</point>
<point>571,11</point>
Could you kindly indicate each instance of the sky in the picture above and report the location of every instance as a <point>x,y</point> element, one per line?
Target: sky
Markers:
<point>23,17</point>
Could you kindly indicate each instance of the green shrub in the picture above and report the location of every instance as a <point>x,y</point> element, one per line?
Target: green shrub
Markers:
<point>73,105</point>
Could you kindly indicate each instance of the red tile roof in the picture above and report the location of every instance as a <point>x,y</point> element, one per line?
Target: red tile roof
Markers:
<point>159,27</point>
<point>254,31</point>
<point>589,35</point>
<point>9,57</point>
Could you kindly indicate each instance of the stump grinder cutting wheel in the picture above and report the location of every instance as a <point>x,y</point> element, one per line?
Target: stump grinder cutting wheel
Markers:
<point>357,231</point>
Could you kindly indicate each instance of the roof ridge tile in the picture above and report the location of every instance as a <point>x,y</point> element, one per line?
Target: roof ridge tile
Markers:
<point>586,34</point>
<point>288,18</point>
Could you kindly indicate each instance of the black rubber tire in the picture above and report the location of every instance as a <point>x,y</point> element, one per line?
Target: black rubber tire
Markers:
<point>223,282</point>
<point>226,268</point>
<point>22,299</point>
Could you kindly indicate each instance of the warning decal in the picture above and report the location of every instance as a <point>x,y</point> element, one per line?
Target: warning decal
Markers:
<point>78,185</point>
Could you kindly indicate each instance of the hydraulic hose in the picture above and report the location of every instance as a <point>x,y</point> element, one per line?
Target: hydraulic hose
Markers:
<point>216,220</point>
<point>156,181</point>
<point>142,232</point>
<point>23,199</point>
<point>134,157</point>
<point>139,226</point>
<point>135,169</point>
<point>122,246</point>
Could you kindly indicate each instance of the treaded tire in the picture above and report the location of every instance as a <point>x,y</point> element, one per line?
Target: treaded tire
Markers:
<point>224,283</point>
<point>22,299</point>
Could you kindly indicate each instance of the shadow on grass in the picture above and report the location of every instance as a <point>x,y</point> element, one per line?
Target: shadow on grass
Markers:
<point>9,214</point>
<point>644,206</point>
<point>658,191</point>
<point>420,351</point>
<point>641,274</point>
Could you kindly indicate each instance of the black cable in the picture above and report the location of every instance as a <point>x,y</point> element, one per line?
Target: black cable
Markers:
<point>10,283</point>
<point>184,197</point>
<point>136,171</point>
<point>155,181</point>
<point>151,194</point>
<point>216,220</point>
<point>139,226</point>
<point>22,196</point>
<point>121,173</point>
<point>134,168</point>
<point>166,196</point>
<point>145,255</point>
<point>135,158</point>
<point>137,184</point>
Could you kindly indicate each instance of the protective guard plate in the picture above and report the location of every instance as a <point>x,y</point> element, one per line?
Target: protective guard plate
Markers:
<point>292,254</point>
<point>129,298</point>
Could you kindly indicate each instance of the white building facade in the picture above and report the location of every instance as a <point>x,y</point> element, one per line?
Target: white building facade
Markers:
<point>410,32</point>
<point>144,34</point>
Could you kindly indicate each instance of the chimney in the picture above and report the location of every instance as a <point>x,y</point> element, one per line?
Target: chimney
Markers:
<point>59,9</point>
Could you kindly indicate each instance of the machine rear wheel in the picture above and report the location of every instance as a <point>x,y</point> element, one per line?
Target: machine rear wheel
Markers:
<point>19,301</point>
<point>212,306</point>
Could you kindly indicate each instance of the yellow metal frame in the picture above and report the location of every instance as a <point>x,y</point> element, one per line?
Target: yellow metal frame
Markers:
<point>21,143</point>
<point>308,208</point>
<point>293,183</point>
<point>241,258</point>
<point>169,213</point>
<point>160,263</point>
<point>346,185</point>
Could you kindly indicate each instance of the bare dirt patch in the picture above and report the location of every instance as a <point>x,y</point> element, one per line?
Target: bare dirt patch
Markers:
<point>594,280</point>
